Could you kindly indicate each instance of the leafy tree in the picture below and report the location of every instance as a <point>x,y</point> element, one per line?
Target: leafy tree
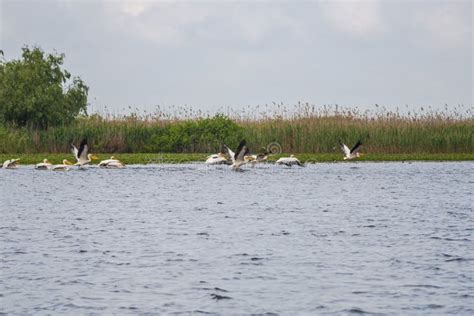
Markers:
<point>36,92</point>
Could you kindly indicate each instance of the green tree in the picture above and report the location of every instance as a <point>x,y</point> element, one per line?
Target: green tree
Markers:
<point>36,92</point>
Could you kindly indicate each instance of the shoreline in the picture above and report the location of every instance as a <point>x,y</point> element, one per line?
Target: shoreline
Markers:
<point>174,158</point>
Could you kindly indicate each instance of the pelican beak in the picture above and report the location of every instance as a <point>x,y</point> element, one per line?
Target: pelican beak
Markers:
<point>93,157</point>
<point>67,162</point>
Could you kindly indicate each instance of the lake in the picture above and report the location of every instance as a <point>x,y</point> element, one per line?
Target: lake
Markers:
<point>384,238</point>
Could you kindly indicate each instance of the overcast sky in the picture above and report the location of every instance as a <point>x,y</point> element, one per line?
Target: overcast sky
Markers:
<point>209,55</point>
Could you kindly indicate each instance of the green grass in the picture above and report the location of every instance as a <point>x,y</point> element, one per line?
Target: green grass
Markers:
<point>144,158</point>
<point>385,135</point>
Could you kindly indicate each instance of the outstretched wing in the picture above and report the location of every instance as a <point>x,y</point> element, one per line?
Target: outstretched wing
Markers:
<point>229,152</point>
<point>356,147</point>
<point>74,151</point>
<point>242,150</point>
<point>83,149</point>
<point>345,149</point>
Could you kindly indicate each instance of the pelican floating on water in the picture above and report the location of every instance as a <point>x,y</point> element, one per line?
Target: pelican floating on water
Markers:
<point>238,158</point>
<point>350,153</point>
<point>254,159</point>
<point>81,155</point>
<point>65,166</point>
<point>45,165</point>
<point>289,161</point>
<point>111,163</point>
<point>217,159</point>
<point>11,164</point>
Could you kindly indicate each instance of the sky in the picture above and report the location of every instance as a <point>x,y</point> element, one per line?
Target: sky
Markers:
<point>213,54</point>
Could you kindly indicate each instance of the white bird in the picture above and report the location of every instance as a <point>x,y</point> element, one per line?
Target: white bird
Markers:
<point>81,155</point>
<point>111,163</point>
<point>62,167</point>
<point>254,159</point>
<point>289,161</point>
<point>351,153</point>
<point>217,159</point>
<point>238,159</point>
<point>11,163</point>
<point>45,165</point>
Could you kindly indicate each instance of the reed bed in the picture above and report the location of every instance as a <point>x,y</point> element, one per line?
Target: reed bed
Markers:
<point>299,128</point>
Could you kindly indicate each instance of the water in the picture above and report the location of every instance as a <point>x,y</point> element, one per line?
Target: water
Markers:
<point>388,238</point>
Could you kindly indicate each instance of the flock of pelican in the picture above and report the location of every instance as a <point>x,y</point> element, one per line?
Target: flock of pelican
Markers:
<point>241,156</point>
<point>235,159</point>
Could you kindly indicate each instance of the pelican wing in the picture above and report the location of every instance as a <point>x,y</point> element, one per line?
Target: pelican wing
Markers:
<point>242,150</point>
<point>74,151</point>
<point>345,149</point>
<point>230,152</point>
<point>83,148</point>
<point>356,148</point>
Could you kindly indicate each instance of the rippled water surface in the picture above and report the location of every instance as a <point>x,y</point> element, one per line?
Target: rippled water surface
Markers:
<point>389,238</point>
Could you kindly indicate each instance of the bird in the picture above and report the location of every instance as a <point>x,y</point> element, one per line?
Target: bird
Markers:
<point>11,163</point>
<point>217,159</point>
<point>289,161</point>
<point>351,153</point>
<point>254,159</point>
<point>62,167</point>
<point>111,163</point>
<point>45,165</point>
<point>238,159</point>
<point>81,155</point>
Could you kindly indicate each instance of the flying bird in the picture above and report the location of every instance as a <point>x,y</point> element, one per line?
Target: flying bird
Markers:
<point>81,155</point>
<point>351,153</point>
<point>238,158</point>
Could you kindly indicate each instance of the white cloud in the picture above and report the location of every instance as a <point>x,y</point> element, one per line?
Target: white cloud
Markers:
<point>448,25</point>
<point>357,17</point>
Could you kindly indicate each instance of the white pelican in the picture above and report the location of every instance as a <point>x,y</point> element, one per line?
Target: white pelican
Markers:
<point>45,165</point>
<point>238,159</point>
<point>350,153</point>
<point>81,155</point>
<point>289,161</point>
<point>11,164</point>
<point>111,163</point>
<point>62,167</point>
<point>217,159</point>
<point>254,159</point>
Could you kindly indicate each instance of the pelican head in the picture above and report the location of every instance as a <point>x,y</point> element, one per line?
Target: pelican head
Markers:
<point>292,156</point>
<point>67,162</point>
<point>45,161</point>
<point>113,158</point>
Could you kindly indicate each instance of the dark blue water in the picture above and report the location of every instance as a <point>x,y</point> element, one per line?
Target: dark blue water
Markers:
<point>388,238</point>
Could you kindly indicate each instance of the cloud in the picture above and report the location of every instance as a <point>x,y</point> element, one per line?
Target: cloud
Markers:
<point>448,25</point>
<point>356,17</point>
<point>135,7</point>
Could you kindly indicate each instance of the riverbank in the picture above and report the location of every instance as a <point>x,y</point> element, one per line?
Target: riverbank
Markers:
<point>157,158</point>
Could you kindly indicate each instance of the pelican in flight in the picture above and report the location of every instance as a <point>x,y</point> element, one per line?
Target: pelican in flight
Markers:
<point>11,164</point>
<point>217,159</point>
<point>62,167</point>
<point>81,155</point>
<point>45,165</point>
<point>289,161</point>
<point>111,163</point>
<point>350,153</point>
<point>238,158</point>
